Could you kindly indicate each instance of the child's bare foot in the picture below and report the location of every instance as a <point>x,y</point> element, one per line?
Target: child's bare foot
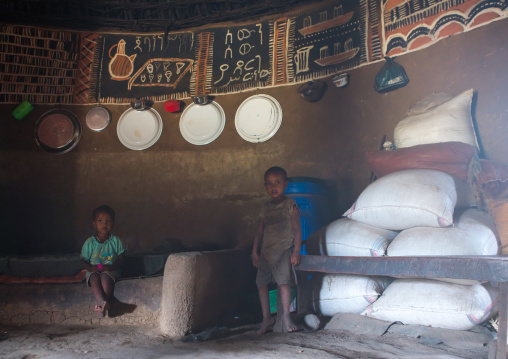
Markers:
<point>266,325</point>
<point>105,307</point>
<point>287,324</point>
<point>102,309</point>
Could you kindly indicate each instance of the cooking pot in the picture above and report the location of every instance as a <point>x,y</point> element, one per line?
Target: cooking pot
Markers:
<point>312,90</point>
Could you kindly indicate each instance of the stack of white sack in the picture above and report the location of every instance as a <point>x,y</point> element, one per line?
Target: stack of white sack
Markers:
<point>397,201</point>
<point>412,212</point>
<point>460,304</point>
<point>446,303</point>
<point>337,293</point>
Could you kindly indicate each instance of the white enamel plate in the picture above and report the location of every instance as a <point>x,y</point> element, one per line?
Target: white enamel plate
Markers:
<point>258,118</point>
<point>139,130</point>
<point>202,124</point>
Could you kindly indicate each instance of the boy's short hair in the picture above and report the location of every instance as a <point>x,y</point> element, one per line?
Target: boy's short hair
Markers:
<point>104,209</point>
<point>277,170</point>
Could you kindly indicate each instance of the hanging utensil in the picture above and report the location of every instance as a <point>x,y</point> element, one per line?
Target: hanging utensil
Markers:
<point>312,90</point>
<point>138,104</point>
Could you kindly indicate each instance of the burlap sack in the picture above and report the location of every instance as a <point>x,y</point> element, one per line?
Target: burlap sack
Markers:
<point>498,208</point>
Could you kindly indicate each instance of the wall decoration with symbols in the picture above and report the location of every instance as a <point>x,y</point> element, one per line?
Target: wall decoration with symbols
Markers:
<point>330,40</point>
<point>241,57</point>
<point>158,67</point>
<point>50,66</point>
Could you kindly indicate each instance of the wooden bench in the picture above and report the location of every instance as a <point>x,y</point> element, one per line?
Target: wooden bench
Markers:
<point>483,268</point>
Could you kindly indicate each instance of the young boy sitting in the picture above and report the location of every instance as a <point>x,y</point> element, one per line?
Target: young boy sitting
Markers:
<point>102,256</point>
<point>280,236</point>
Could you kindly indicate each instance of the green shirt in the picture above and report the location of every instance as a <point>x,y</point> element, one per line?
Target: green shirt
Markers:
<point>95,252</point>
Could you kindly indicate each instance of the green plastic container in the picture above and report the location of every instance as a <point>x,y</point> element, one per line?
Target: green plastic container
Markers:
<point>272,295</point>
<point>22,110</point>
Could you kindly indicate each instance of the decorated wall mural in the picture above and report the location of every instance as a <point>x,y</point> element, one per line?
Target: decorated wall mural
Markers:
<point>47,66</point>
<point>39,65</point>
<point>329,41</point>
<point>158,66</point>
<point>239,57</point>
<point>413,24</point>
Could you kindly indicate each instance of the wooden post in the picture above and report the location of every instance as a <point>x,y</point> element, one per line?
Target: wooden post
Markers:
<point>503,321</point>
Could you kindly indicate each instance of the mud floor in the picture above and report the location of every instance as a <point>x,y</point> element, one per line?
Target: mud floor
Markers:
<point>125,342</point>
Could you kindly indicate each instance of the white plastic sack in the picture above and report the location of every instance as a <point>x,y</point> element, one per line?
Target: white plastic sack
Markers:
<point>473,233</point>
<point>433,303</point>
<point>428,103</point>
<point>406,199</point>
<point>345,237</point>
<point>450,121</point>
<point>342,293</point>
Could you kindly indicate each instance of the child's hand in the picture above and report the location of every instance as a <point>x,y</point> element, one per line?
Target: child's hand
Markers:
<point>106,267</point>
<point>295,258</point>
<point>255,259</point>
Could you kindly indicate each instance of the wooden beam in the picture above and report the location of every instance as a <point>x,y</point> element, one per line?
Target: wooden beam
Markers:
<point>483,268</point>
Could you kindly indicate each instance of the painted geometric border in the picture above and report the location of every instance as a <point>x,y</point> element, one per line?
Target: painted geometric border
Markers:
<point>416,24</point>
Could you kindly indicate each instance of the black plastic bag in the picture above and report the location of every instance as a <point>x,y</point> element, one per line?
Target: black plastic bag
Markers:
<point>391,77</point>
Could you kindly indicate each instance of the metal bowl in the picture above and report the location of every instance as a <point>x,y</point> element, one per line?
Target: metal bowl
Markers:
<point>57,131</point>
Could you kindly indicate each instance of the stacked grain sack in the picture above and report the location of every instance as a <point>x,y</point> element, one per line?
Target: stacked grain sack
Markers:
<point>411,210</point>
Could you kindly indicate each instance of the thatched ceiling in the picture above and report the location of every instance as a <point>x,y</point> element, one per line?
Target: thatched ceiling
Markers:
<point>137,15</point>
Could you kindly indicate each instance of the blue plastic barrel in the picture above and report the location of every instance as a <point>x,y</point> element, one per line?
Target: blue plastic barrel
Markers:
<point>312,197</point>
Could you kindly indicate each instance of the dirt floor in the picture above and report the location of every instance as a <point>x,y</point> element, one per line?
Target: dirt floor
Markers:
<point>125,342</point>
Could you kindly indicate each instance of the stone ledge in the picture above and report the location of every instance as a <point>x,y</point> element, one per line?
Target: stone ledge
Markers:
<point>73,304</point>
<point>197,290</point>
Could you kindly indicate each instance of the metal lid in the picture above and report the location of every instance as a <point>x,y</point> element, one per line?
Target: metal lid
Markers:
<point>98,118</point>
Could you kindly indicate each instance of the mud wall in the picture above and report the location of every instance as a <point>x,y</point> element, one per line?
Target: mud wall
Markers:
<point>205,289</point>
<point>209,196</point>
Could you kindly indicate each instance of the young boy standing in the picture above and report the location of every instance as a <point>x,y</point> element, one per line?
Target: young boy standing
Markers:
<point>102,256</point>
<point>279,235</point>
